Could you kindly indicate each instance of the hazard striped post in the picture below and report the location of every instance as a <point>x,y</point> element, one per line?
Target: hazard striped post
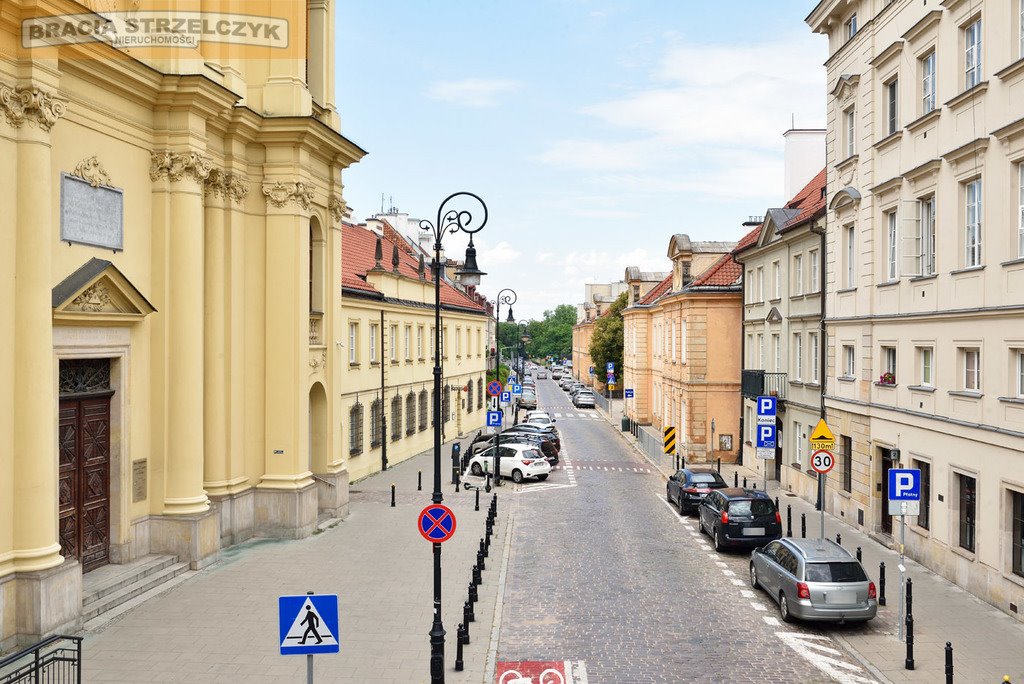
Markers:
<point>670,440</point>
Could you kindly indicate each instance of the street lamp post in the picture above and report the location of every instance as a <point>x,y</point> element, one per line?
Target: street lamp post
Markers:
<point>506,296</point>
<point>449,220</point>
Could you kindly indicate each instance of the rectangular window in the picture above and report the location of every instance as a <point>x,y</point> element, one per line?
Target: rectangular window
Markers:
<point>1018,532</point>
<point>972,55</point>
<point>851,251</point>
<point>815,268</point>
<point>444,342</point>
<point>850,118</point>
<point>892,97</point>
<point>812,343</point>
<point>458,342</point>
<point>849,361</point>
<point>925,366</point>
<point>760,284</point>
<point>1020,373</point>
<point>923,518</point>
<point>760,351</point>
<point>751,295</point>
<point>798,274</point>
<point>846,455</point>
<point>891,251</point>
<point>374,332</point>
<point>798,444</point>
<point>972,368</point>
<point>419,342</point>
<point>777,269</point>
<point>968,510</point>
<point>889,361</point>
<point>777,352</point>
<point>353,342</point>
<point>798,356</point>
<point>972,223</point>
<point>851,26</point>
<point>1020,207</point>
<point>408,343</point>
<point>926,210</point>
<point>393,342</point>
<point>928,83</point>
<point>433,342</point>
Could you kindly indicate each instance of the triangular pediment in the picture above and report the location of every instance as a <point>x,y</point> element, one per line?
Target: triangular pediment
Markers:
<point>774,316</point>
<point>99,292</point>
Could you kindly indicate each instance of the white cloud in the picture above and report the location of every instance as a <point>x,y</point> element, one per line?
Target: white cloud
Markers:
<point>471,92</point>
<point>501,253</point>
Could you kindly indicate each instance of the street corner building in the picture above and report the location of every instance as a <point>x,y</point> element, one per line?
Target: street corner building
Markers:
<point>387,379</point>
<point>681,354</point>
<point>169,345</point>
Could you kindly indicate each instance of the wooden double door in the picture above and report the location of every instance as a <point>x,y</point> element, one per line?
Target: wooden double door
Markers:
<point>84,478</point>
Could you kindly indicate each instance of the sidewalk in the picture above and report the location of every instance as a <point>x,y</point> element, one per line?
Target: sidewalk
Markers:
<point>221,625</point>
<point>987,643</point>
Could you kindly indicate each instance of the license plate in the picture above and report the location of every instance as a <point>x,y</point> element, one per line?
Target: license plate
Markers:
<point>702,492</point>
<point>753,531</point>
<point>841,598</point>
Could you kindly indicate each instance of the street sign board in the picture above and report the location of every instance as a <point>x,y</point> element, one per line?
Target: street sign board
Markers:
<point>610,366</point>
<point>517,390</point>
<point>629,394</point>
<point>822,461</point>
<point>493,388</point>
<point>437,523</point>
<point>822,437</point>
<point>308,624</point>
<point>904,491</point>
<point>506,397</point>
<point>670,439</point>
<point>611,385</point>
<point>767,408</point>
<point>592,371</point>
<point>765,437</point>
<point>494,419</point>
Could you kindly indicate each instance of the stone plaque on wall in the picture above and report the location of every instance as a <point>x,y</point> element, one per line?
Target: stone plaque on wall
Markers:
<point>139,484</point>
<point>91,215</point>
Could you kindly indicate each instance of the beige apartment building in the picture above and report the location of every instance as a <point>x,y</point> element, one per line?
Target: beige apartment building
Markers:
<point>782,289</point>
<point>387,307</point>
<point>668,337</point>
<point>925,279</point>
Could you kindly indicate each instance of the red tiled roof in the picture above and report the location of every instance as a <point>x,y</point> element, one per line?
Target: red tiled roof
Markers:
<point>810,201</point>
<point>722,273</point>
<point>358,245</point>
<point>748,239</point>
<point>657,291</point>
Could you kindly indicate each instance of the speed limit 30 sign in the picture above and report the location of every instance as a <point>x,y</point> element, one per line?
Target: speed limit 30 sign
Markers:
<point>822,461</point>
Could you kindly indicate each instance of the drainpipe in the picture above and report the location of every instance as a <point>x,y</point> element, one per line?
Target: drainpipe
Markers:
<point>383,412</point>
<point>743,353</point>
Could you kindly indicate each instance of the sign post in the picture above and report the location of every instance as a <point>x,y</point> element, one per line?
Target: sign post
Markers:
<point>767,409</point>
<point>904,500</point>
<point>822,439</point>
<point>301,619</point>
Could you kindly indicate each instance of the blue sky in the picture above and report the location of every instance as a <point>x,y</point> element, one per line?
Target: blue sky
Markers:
<point>593,129</point>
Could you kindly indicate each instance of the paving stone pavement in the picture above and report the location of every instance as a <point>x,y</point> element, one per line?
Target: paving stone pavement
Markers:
<point>606,573</point>
<point>221,625</point>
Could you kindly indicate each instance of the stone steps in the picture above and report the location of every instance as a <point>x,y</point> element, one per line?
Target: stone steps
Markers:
<point>120,584</point>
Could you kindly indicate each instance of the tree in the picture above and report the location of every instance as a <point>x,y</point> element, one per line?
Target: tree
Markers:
<point>550,336</point>
<point>606,342</point>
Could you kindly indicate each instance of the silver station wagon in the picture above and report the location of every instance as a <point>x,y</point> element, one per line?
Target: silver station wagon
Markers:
<point>814,579</point>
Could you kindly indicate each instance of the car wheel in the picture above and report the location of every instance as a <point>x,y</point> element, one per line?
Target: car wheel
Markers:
<point>714,536</point>
<point>542,477</point>
<point>700,522</point>
<point>682,508</point>
<point>784,608</point>
<point>517,476</point>
<point>476,469</point>
<point>668,494</point>
<point>753,577</point>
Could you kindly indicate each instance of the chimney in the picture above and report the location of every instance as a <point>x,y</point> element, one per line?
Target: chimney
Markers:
<point>804,158</point>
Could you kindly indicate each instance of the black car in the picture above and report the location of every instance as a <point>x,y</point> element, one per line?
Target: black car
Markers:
<point>738,518</point>
<point>542,442</point>
<point>688,487</point>
<point>547,430</point>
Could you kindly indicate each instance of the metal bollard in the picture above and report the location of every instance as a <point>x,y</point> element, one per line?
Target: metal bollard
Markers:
<point>735,479</point>
<point>910,624</point>
<point>754,485</point>
<point>392,494</point>
<point>477,577</point>
<point>744,481</point>
<point>881,583</point>
<point>789,520</point>
<point>476,506</point>
<point>949,663</point>
<point>480,560</point>
<point>467,608</point>
<point>419,481</point>
<point>839,539</point>
<point>465,625</point>
<point>719,464</point>
<point>483,548</point>
<point>494,504</point>
<point>474,596</point>
<point>858,554</point>
<point>777,503</point>
<point>803,525</point>
<point>459,636</point>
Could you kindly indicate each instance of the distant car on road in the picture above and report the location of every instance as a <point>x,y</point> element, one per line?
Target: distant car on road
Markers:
<point>583,399</point>
<point>528,400</point>
<point>518,461</point>
<point>687,487</point>
<point>542,374</point>
<point>541,421</point>
<point>736,517</point>
<point>814,579</point>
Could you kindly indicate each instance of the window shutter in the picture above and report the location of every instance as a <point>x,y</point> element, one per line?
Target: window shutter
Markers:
<point>910,241</point>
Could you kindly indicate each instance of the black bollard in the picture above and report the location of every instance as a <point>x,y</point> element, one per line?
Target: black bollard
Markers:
<point>744,481</point>
<point>457,487</point>
<point>881,583</point>
<point>754,485</point>
<point>483,548</point>
<point>777,503</point>
<point>465,626</point>
<point>789,520</point>
<point>480,560</point>
<point>419,481</point>
<point>858,554</point>
<point>949,663</point>
<point>910,624</point>
<point>494,504</point>
<point>719,464</point>
<point>803,525</point>
<point>392,494</point>
<point>477,577</point>
<point>474,596</point>
<point>459,636</point>
<point>839,539</point>
<point>736,479</point>
<point>476,506</point>
<point>467,611</point>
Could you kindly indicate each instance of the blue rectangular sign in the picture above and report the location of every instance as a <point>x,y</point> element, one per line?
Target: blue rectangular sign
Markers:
<point>506,397</point>
<point>904,484</point>
<point>629,394</point>
<point>610,367</point>
<point>767,406</point>
<point>517,390</point>
<point>765,437</point>
<point>494,419</point>
<point>308,624</point>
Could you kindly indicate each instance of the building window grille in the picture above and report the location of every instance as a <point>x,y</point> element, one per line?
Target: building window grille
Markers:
<point>355,429</point>
<point>968,510</point>
<point>396,418</point>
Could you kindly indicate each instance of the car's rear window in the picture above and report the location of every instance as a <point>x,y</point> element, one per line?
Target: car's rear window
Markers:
<point>532,453</point>
<point>751,507</point>
<point>840,571</point>
<point>703,478</point>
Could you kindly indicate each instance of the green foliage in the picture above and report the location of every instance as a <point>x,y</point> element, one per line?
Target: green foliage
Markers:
<point>503,374</point>
<point>550,336</point>
<point>606,342</point>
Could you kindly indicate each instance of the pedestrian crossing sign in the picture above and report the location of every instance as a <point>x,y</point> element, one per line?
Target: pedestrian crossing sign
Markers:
<point>308,624</point>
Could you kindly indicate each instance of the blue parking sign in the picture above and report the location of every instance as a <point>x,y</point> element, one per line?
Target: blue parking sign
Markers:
<point>494,419</point>
<point>767,406</point>
<point>765,436</point>
<point>610,367</point>
<point>904,484</point>
<point>517,390</point>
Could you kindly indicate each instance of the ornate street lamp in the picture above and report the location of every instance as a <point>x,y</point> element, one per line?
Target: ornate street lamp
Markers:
<point>449,220</point>
<point>506,296</point>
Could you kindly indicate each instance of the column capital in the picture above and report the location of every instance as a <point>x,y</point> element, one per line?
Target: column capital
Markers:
<point>30,103</point>
<point>227,184</point>
<point>177,165</point>
<point>279,194</point>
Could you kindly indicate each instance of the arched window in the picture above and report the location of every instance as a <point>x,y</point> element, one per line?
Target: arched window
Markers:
<point>479,393</point>
<point>424,411</point>
<point>396,418</point>
<point>355,429</point>
<point>376,418</point>
<point>316,267</point>
<point>410,413</point>
<point>469,397</point>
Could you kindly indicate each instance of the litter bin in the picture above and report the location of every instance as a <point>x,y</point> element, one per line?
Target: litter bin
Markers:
<point>625,424</point>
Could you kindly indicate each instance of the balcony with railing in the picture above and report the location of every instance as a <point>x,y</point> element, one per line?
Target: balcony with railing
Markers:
<point>757,383</point>
<point>315,327</point>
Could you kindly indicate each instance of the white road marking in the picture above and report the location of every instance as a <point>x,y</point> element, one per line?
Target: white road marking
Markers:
<point>712,555</point>
<point>728,573</point>
<point>813,649</point>
<point>773,621</point>
<point>721,564</point>
<point>746,593</point>
<point>737,583</point>
<point>759,606</point>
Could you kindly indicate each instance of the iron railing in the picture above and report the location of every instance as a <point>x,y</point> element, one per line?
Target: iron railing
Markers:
<point>51,660</point>
<point>756,383</point>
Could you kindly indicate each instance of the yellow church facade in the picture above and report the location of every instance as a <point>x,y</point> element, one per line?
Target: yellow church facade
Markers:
<point>170,331</point>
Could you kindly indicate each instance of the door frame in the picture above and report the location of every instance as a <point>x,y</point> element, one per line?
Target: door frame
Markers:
<point>885,461</point>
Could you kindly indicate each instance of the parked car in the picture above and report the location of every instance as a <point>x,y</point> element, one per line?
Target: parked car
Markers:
<point>565,383</point>
<point>688,487</point>
<point>528,400</point>
<point>814,579</point>
<point>518,461</point>
<point>556,373</point>
<point>542,374</point>
<point>737,517</point>
<point>547,432</point>
<point>541,420</point>
<point>583,399</point>
<point>538,441</point>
